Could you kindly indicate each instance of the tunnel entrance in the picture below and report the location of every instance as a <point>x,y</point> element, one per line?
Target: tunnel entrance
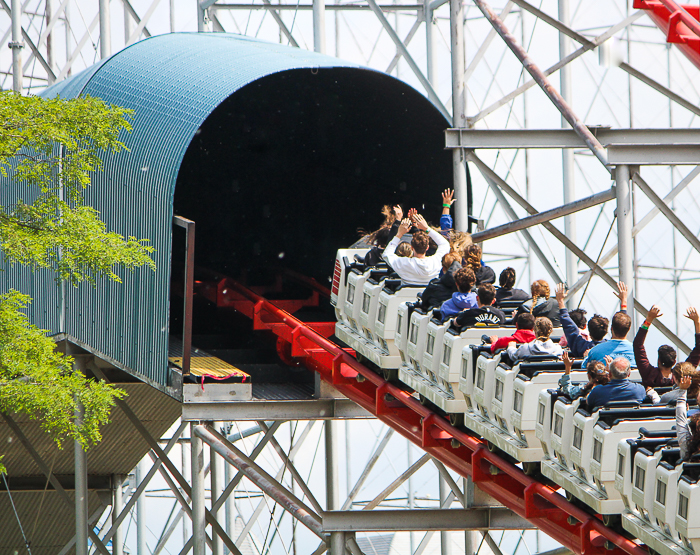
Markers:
<point>285,171</point>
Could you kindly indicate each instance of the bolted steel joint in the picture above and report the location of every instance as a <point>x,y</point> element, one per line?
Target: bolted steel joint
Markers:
<point>15,44</point>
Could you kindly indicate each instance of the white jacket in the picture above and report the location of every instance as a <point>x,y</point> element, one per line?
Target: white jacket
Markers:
<point>417,271</point>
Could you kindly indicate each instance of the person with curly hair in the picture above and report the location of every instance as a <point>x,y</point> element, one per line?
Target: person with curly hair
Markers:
<point>472,259</point>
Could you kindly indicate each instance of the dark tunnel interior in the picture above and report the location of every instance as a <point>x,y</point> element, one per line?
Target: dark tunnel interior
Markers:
<point>285,171</point>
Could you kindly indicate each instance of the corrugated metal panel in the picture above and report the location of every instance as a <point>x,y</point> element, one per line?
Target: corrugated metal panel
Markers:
<point>172,82</point>
<point>120,449</point>
<point>47,520</point>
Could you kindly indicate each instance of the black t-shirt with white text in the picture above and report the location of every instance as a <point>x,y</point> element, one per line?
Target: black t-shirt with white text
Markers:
<point>487,315</point>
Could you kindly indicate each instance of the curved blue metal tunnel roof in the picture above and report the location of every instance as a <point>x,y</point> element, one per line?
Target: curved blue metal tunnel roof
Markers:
<point>173,83</point>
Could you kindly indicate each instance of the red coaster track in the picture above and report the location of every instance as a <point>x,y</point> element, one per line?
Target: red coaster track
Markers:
<point>307,343</point>
<point>679,23</point>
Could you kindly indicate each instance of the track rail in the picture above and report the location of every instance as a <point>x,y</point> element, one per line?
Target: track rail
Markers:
<point>679,23</point>
<point>467,455</point>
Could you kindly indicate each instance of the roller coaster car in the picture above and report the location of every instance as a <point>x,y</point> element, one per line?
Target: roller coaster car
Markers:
<point>515,406</point>
<point>344,263</point>
<point>348,328</point>
<point>652,483</point>
<point>411,371</point>
<point>392,295</point>
<point>591,432</point>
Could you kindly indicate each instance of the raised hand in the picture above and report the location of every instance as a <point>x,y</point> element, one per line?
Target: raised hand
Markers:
<point>404,227</point>
<point>685,382</point>
<point>568,363</point>
<point>420,223</point>
<point>412,213</point>
<point>692,313</point>
<point>654,313</point>
<point>448,196</point>
<point>398,211</point>
<point>608,362</point>
<point>622,293</point>
<point>560,294</point>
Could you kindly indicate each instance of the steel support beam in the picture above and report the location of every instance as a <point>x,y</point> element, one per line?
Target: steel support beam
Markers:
<point>197,495</point>
<point>600,39</point>
<point>261,479</point>
<point>667,211</point>
<point>16,46</point>
<point>477,518</point>
<point>566,138</point>
<point>332,460</point>
<point>117,507</point>
<point>319,20</point>
<point>311,409</point>
<point>105,30</point>
<point>368,468</point>
<point>81,492</point>
<point>140,474</point>
<point>494,180</point>
<point>625,245</point>
<point>217,486</point>
<point>396,483</point>
<point>546,216</point>
<point>432,95</point>
<point>51,478</point>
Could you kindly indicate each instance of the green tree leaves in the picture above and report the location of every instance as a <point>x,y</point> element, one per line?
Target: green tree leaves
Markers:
<point>53,147</point>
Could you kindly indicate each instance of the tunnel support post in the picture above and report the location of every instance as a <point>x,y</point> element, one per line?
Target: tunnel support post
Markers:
<point>217,483</point>
<point>459,117</point>
<point>625,240</point>
<point>198,508</point>
<point>117,508</point>
<point>319,14</point>
<point>141,545</point>
<point>81,492</point>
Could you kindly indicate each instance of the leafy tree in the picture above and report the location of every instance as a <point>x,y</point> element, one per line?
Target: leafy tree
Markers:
<point>52,147</point>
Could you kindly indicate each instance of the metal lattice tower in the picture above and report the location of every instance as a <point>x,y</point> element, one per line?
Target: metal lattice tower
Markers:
<point>613,69</point>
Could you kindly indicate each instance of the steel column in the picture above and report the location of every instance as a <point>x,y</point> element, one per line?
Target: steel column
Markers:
<point>117,506</point>
<point>332,460</point>
<point>337,543</point>
<point>81,493</point>
<point>459,113</point>
<point>198,507</point>
<point>444,491</point>
<point>141,543</point>
<point>625,246</point>
<point>567,155</point>
<point>217,487</point>
<point>16,45</point>
<point>319,16</point>
<point>49,39</point>
<point>430,41</point>
<point>105,30</point>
